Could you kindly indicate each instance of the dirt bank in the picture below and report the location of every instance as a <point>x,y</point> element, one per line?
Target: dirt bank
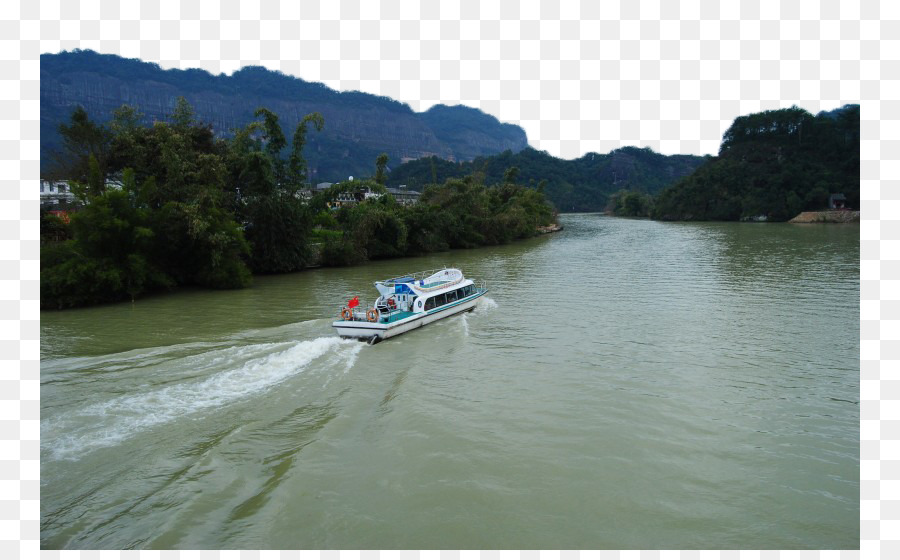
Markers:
<point>549,229</point>
<point>826,217</point>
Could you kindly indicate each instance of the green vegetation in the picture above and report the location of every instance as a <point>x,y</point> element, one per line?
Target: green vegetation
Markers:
<point>580,185</point>
<point>774,164</point>
<point>630,204</point>
<point>188,209</point>
<point>169,204</point>
<point>380,165</point>
<point>459,214</point>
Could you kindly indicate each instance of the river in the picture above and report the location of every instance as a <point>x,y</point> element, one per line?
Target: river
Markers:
<point>625,384</point>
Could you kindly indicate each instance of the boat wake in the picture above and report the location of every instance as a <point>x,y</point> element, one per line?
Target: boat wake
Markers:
<point>485,306</point>
<point>63,367</point>
<point>354,354</point>
<point>241,372</point>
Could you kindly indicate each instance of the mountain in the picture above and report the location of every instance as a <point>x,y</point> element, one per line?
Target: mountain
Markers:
<point>579,185</point>
<point>358,126</point>
<point>774,164</point>
<point>471,132</point>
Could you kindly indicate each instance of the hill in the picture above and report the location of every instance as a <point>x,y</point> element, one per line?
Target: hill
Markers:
<point>579,185</point>
<point>774,164</point>
<point>358,126</point>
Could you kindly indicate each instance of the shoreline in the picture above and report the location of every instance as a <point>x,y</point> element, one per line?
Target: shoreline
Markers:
<point>826,217</point>
<point>540,231</point>
<point>552,228</point>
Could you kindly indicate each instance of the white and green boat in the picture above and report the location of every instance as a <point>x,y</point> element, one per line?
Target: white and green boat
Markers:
<point>408,302</point>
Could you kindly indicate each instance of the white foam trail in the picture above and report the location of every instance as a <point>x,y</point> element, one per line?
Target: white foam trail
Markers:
<point>354,354</point>
<point>465,323</point>
<point>485,305</point>
<point>108,423</point>
<point>119,360</point>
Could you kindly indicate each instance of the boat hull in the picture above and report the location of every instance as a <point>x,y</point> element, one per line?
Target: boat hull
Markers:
<point>365,330</point>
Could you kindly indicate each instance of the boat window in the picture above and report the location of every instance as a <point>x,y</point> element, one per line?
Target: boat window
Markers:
<point>451,296</point>
<point>429,303</point>
<point>440,300</point>
<point>461,293</point>
<point>468,290</point>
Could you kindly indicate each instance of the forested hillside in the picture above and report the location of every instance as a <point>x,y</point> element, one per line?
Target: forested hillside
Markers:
<point>579,185</point>
<point>360,125</point>
<point>774,164</point>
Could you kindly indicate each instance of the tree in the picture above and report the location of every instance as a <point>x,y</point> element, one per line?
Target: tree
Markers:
<point>275,142</point>
<point>165,226</point>
<point>279,227</point>
<point>297,165</point>
<point>82,141</point>
<point>380,165</point>
<point>109,258</point>
<point>511,174</point>
<point>182,116</point>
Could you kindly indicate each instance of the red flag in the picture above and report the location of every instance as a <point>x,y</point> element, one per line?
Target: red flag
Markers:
<point>353,302</point>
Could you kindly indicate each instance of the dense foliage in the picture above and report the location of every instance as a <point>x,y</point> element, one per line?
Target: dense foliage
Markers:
<point>461,213</point>
<point>579,185</point>
<point>170,204</point>
<point>630,204</point>
<point>774,164</point>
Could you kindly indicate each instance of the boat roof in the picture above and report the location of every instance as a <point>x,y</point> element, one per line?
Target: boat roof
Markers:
<point>426,281</point>
<point>421,275</point>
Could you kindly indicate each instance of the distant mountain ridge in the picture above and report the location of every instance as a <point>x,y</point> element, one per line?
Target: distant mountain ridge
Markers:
<point>577,185</point>
<point>358,126</point>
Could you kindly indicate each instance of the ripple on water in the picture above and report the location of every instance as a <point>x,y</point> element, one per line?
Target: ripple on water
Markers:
<point>625,384</point>
<point>233,374</point>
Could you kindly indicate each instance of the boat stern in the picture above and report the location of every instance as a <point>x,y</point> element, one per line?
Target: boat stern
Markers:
<point>359,329</point>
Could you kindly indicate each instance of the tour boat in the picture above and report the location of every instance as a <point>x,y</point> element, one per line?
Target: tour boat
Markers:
<point>408,302</point>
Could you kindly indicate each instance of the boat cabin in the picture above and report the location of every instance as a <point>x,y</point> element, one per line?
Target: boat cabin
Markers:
<point>448,297</point>
<point>409,302</point>
<point>415,293</point>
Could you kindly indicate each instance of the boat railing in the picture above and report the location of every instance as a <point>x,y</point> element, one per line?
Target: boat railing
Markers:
<point>421,275</point>
<point>361,312</point>
<point>357,312</point>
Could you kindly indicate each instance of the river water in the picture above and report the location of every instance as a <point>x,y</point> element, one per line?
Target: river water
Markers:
<point>625,384</point>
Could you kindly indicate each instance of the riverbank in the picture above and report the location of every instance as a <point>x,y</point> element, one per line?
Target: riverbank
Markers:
<point>826,217</point>
<point>552,228</point>
<point>315,263</point>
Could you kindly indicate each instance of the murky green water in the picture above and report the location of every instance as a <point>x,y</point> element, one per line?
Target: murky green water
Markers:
<point>628,384</point>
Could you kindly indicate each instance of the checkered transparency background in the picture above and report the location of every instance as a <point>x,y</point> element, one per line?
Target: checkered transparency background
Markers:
<point>583,76</point>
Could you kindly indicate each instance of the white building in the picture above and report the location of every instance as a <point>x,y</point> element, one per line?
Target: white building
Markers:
<point>403,196</point>
<point>54,192</point>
